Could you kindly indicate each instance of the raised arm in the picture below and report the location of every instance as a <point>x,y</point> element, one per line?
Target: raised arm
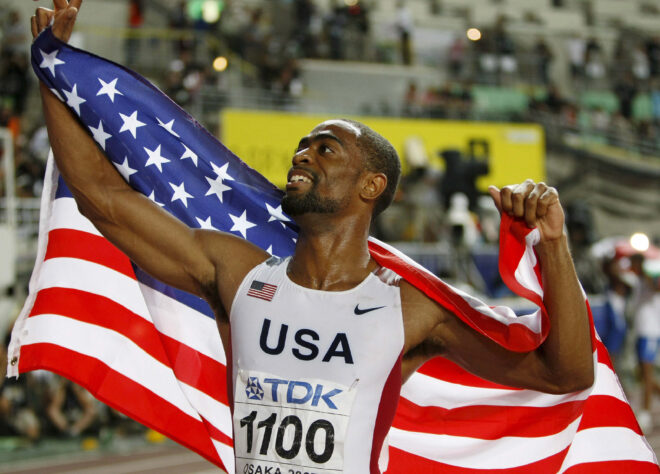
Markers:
<point>190,259</point>
<point>564,362</point>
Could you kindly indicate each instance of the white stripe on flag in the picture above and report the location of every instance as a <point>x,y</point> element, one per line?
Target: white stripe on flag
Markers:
<point>524,273</point>
<point>607,444</point>
<point>113,349</point>
<point>502,453</point>
<point>425,390</point>
<point>65,215</point>
<point>87,276</point>
<point>181,322</point>
<point>175,319</point>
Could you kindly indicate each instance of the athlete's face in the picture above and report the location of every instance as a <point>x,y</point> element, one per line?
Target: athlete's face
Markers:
<point>325,171</point>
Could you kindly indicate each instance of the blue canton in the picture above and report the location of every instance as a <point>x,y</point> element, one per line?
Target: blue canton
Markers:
<point>162,152</point>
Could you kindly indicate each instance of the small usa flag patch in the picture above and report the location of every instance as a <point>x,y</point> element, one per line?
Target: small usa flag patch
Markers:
<point>261,290</point>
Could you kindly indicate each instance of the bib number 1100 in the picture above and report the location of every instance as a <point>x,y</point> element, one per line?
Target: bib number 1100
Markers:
<point>291,422</point>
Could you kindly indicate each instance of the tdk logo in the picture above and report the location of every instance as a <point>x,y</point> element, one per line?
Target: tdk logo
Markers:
<point>294,392</point>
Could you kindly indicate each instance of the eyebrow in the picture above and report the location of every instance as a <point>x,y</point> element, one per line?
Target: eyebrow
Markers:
<point>305,141</point>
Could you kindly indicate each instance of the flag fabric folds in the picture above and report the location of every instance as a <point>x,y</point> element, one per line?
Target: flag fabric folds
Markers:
<point>154,353</point>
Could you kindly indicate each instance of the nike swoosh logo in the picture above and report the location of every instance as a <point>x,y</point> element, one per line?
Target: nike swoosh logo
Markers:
<point>359,311</point>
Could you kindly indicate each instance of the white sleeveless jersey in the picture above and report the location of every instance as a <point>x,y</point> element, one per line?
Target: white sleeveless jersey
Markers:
<point>316,375</point>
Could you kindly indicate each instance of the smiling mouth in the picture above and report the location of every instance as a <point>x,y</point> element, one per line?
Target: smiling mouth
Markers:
<point>299,179</point>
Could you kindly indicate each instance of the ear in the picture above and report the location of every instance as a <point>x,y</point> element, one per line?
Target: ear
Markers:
<point>373,185</point>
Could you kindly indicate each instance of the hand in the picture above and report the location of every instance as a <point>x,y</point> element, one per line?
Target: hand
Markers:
<point>536,203</point>
<point>63,18</point>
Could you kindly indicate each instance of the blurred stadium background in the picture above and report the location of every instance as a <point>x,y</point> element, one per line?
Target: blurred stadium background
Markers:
<point>470,93</point>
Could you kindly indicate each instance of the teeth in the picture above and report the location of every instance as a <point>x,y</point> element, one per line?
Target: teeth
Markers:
<point>297,178</point>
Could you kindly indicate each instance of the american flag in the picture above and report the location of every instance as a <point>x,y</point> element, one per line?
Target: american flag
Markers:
<point>153,352</point>
<point>261,290</point>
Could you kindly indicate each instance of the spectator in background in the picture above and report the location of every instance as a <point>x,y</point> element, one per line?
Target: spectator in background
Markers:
<point>14,38</point>
<point>576,47</point>
<point>412,105</point>
<point>303,13</point>
<point>626,90</point>
<point>404,25</point>
<point>653,53</point>
<point>19,402</point>
<point>135,21</point>
<point>594,66</point>
<point>457,51</point>
<point>647,330</point>
<point>71,409</point>
<point>335,25</point>
<point>543,56</point>
<point>180,22</point>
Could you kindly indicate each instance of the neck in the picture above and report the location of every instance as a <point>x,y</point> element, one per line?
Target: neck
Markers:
<point>331,253</point>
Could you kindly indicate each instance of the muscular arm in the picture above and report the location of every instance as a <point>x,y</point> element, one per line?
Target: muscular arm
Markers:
<point>563,363</point>
<point>163,246</point>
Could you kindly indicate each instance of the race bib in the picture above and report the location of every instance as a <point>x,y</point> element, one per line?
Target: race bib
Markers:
<point>290,426</point>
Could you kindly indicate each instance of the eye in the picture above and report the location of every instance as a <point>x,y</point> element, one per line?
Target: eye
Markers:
<point>325,148</point>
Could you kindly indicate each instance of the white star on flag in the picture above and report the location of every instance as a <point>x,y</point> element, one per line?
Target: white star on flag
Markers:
<point>152,196</point>
<point>217,187</point>
<point>109,89</point>
<point>50,60</point>
<point>241,224</point>
<point>131,123</point>
<point>221,172</point>
<point>189,154</point>
<point>270,249</point>
<point>168,126</point>
<point>180,193</point>
<point>124,169</point>
<point>73,100</point>
<point>155,158</point>
<point>276,214</point>
<point>205,224</point>
<point>100,135</point>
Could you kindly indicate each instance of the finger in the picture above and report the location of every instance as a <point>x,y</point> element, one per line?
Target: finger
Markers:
<point>506,202</point>
<point>531,204</point>
<point>44,16</point>
<point>519,197</point>
<point>76,4</point>
<point>60,4</point>
<point>64,25</point>
<point>34,27</point>
<point>547,199</point>
<point>496,196</point>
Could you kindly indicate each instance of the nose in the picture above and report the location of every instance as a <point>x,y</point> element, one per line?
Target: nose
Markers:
<point>301,157</point>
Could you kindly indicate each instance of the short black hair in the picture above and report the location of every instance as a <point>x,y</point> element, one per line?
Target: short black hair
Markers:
<point>380,157</point>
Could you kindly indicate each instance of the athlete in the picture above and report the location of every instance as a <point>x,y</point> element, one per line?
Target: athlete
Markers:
<point>321,342</point>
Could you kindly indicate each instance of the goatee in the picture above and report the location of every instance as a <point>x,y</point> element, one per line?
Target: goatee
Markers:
<point>309,202</point>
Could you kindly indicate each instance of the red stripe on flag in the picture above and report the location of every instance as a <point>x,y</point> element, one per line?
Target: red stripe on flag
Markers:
<point>605,410</point>
<point>444,369</point>
<point>487,421</point>
<point>123,394</point>
<point>192,367</point>
<point>85,246</point>
<point>402,462</point>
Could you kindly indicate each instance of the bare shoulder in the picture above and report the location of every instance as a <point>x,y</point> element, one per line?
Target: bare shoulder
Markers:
<point>229,251</point>
<point>232,258</point>
<point>422,316</point>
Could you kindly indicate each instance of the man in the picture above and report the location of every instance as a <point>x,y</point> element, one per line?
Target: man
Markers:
<point>320,343</point>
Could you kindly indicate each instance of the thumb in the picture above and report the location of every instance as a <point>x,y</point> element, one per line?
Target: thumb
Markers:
<point>63,26</point>
<point>496,196</point>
